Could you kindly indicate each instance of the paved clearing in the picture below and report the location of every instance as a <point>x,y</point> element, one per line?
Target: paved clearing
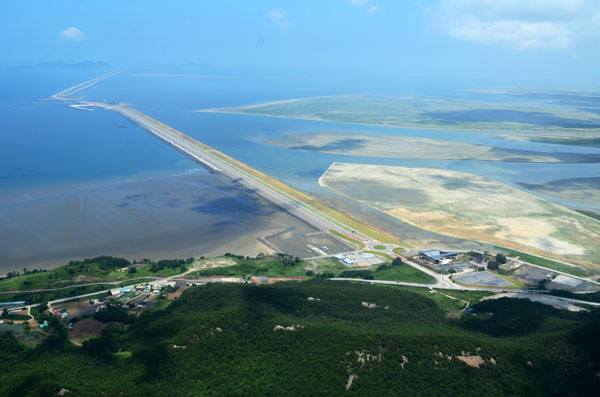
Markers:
<point>482,278</point>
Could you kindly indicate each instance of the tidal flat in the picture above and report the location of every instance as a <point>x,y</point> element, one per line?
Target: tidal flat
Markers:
<point>471,207</point>
<point>404,147</point>
<point>527,118</point>
<point>163,216</point>
<point>579,193</point>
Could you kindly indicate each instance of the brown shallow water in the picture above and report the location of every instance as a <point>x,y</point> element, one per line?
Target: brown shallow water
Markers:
<point>183,215</point>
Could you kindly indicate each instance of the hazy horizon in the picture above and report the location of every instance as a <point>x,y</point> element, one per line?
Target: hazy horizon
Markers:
<point>550,43</point>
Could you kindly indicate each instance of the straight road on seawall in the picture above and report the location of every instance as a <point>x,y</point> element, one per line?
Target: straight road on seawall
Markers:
<point>263,185</point>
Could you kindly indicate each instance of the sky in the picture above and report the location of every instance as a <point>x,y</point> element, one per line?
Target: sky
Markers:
<point>489,41</point>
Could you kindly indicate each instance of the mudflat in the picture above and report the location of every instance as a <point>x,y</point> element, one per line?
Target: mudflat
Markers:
<point>468,206</point>
<point>404,147</point>
<point>172,216</point>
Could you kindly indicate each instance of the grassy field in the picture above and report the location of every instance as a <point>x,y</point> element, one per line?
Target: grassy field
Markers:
<point>544,262</point>
<point>275,267</point>
<point>405,273</point>
<point>273,340</point>
<point>326,265</point>
<point>100,272</point>
<point>399,251</point>
<point>269,266</point>
<point>94,270</point>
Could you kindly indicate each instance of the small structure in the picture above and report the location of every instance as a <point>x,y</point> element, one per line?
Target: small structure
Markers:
<point>454,267</point>
<point>437,256</point>
<point>11,305</point>
<point>345,259</point>
<point>258,280</point>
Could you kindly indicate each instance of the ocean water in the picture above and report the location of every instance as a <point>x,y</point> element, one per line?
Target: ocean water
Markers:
<point>76,184</point>
<point>175,98</point>
<point>79,183</point>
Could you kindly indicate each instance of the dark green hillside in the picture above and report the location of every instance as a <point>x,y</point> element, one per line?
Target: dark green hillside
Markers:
<point>222,340</point>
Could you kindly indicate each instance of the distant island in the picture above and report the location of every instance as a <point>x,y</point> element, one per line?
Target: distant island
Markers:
<point>84,65</point>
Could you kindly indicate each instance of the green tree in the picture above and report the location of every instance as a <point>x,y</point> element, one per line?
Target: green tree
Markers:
<point>492,265</point>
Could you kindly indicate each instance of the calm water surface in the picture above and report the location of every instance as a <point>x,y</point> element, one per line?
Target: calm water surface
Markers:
<point>62,160</point>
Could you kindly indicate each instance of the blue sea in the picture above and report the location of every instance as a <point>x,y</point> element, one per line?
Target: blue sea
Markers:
<point>77,183</point>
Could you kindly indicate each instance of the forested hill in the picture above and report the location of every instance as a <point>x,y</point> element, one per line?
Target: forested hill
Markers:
<point>319,338</point>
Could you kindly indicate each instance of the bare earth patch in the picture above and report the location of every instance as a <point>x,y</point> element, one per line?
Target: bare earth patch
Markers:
<point>85,329</point>
<point>471,207</point>
<point>471,361</point>
<point>213,262</point>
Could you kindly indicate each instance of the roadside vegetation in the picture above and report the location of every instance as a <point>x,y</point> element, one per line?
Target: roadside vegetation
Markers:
<point>102,273</point>
<point>271,266</point>
<point>82,277</point>
<point>99,269</point>
<point>544,262</point>
<point>394,270</point>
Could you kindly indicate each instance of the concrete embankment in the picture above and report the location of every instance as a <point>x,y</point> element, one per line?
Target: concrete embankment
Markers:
<point>220,163</point>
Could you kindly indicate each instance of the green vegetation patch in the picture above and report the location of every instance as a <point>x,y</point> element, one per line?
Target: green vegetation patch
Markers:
<point>311,338</point>
<point>404,273</point>
<point>280,265</point>
<point>544,262</point>
<point>88,271</point>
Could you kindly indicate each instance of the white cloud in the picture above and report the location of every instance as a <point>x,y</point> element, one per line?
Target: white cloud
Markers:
<point>372,9</point>
<point>516,33</point>
<point>522,24</point>
<point>368,6</point>
<point>518,9</point>
<point>72,34</point>
<point>278,16</point>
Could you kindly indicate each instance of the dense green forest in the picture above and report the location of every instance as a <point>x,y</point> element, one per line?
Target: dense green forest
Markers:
<point>318,338</point>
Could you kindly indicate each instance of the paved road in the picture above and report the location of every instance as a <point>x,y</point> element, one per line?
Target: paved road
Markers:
<point>68,93</point>
<point>438,284</point>
<point>77,286</point>
<point>556,301</point>
<point>220,163</point>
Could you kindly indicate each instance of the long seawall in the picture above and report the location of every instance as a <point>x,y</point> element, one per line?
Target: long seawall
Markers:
<point>218,162</point>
